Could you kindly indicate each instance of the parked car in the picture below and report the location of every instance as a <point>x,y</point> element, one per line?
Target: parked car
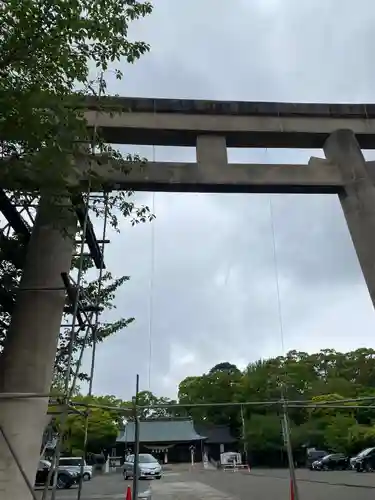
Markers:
<point>65,478</point>
<point>364,461</point>
<point>74,464</point>
<point>335,461</point>
<point>148,467</point>
<point>313,456</point>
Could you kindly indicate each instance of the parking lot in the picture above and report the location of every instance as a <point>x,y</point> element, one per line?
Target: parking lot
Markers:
<point>185,483</point>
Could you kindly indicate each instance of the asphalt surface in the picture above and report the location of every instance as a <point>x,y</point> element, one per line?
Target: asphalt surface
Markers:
<point>186,483</point>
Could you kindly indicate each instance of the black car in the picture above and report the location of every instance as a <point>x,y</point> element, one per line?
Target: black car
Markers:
<point>65,478</point>
<point>334,461</point>
<point>364,461</point>
<point>313,456</point>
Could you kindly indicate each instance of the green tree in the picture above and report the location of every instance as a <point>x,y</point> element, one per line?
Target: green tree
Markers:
<point>326,406</point>
<point>220,385</point>
<point>225,367</point>
<point>264,432</point>
<point>48,51</point>
<point>339,433</point>
<point>105,299</point>
<point>319,378</point>
<point>103,425</point>
<point>264,439</point>
<point>309,434</point>
<point>332,424</point>
<point>148,399</point>
<point>9,281</point>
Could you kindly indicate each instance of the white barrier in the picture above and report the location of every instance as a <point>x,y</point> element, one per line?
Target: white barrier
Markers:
<point>236,467</point>
<point>232,461</point>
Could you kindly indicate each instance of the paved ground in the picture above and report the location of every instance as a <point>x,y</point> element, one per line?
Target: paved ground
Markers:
<point>186,484</point>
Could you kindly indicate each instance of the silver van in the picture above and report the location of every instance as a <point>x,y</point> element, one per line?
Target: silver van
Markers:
<point>74,464</point>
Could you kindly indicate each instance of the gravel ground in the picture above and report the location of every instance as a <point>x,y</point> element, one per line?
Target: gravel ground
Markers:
<point>184,483</point>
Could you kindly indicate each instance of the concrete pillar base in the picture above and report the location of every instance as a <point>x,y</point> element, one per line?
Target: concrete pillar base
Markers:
<point>26,364</point>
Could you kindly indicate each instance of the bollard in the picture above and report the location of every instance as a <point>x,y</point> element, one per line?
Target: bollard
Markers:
<point>106,466</point>
<point>291,490</point>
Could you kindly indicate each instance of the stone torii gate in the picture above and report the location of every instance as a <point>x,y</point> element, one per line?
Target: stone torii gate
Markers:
<point>211,127</point>
<point>341,130</point>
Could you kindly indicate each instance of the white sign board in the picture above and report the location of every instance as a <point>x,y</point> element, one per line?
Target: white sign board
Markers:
<point>230,458</point>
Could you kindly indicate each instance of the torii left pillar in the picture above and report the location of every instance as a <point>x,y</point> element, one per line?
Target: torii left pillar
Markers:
<point>26,366</point>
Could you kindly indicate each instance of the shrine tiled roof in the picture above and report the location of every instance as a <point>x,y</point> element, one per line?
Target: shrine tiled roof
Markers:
<point>160,431</point>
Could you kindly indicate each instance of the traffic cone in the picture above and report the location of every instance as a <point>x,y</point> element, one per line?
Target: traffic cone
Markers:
<point>128,495</point>
<point>291,490</point>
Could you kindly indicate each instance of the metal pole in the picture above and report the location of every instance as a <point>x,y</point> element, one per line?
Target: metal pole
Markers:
<point>126,437</point>
<point>244,442</point>
<point>94,340</point>
<point>288,445</point>
<point>136,441</point>
<point>49,477</point>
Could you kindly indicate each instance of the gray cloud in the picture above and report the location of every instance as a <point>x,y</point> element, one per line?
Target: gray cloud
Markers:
<point>214,286</point>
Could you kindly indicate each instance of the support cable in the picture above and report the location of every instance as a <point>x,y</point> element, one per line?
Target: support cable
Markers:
<point>276,271</point>
<point>285,416</point>
<point>275,403</point>
<point>297,402</point>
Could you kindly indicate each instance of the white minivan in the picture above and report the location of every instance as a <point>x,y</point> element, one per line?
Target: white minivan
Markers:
<point>74,464</point>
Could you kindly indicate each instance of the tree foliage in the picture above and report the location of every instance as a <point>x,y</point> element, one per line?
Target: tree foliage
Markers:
<point>323,418</point>
<point>107,416</point>
<point>147,399</point>
<point>10,273</point>
<point>51,55</point>
<point>47,50</point>
<point>326,379</point>
<point>103,425</point>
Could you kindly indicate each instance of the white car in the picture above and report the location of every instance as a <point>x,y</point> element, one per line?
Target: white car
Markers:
<point>148,467</point>
<point>74,464</point>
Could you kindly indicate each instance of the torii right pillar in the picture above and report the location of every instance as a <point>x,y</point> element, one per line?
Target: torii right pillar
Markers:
<point>357,199</point>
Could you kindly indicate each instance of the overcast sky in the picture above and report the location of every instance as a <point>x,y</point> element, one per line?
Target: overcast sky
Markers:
<point>214,282</point>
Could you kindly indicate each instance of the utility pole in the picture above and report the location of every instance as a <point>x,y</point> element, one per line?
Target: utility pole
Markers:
<point>244,442</point>
<point>136,441</point>
<point>288,445</point>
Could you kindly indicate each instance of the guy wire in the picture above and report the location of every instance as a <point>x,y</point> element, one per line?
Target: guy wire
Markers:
<point>276,270</point>
<point>285,417</point>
